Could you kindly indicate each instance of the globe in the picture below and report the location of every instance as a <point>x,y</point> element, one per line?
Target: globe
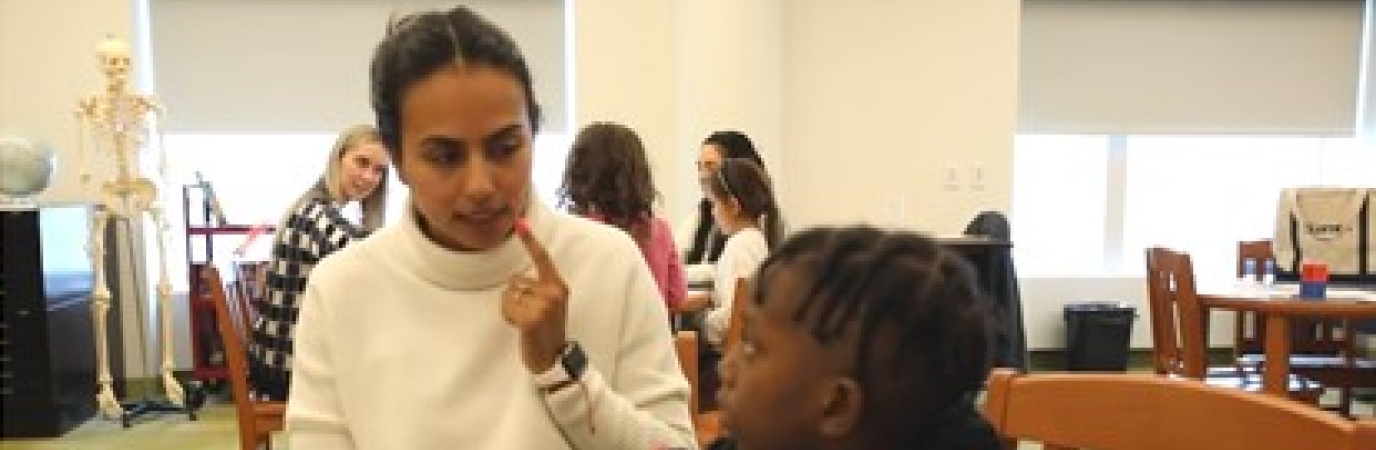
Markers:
<point>26,168</point>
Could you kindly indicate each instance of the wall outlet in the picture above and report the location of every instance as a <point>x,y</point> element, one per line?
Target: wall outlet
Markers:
<point>977,181</point>
<point>950,178</point>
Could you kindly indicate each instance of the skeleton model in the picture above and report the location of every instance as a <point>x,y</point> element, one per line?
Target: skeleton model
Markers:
<point>113,121</point>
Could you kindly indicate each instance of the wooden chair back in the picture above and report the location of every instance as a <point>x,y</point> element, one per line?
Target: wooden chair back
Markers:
<point>257,419</point>
<point>734,325</point>
<point>1177,321</point>
<point>686,347</point>
<point>1144,412</point>
<point>241,296</point>
<point>1259,251</point>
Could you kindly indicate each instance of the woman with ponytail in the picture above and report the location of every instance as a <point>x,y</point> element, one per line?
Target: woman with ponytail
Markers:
<point>744,208</point>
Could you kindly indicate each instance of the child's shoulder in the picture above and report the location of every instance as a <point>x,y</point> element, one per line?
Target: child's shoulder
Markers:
<point>747,238</point>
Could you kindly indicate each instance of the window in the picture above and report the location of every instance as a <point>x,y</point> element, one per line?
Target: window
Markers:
<point>1060,186</point>
<point>1201,194</point>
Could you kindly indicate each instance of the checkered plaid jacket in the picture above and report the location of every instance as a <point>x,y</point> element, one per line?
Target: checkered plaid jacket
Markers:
<point>313,230</point>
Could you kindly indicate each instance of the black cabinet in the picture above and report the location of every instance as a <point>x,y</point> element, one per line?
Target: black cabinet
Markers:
<point>47,350</point>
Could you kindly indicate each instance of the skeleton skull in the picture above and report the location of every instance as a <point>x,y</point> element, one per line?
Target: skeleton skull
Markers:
<point>114,58</point>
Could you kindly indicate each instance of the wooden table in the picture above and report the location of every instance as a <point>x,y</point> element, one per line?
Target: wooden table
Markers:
<point>1278,308</point>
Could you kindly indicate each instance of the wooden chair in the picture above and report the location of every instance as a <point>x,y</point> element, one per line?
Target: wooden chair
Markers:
<point>1143,412</point>
<point>686,347</point>
<point>257,419</point>
<point>734,326</point>
<point>1180,329</point>
<point>1325,350</point>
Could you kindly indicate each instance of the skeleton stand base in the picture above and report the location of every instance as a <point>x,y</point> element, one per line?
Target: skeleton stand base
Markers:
<point>133,409</point>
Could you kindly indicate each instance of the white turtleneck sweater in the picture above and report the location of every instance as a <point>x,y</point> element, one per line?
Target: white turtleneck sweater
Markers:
<point>400,344</point>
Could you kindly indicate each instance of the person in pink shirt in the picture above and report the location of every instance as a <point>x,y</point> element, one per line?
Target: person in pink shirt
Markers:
<point>608,179</point>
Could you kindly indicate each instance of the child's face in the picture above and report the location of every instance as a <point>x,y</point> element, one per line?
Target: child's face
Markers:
<point>780,386</point>
<point>709,160</point>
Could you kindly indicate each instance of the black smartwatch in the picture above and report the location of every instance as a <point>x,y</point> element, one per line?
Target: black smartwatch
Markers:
<point>568,370</point>
<point>573,359</point>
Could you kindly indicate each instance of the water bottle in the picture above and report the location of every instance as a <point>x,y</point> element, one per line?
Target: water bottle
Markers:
<point>1268,273</point>
<point>1249,272</point>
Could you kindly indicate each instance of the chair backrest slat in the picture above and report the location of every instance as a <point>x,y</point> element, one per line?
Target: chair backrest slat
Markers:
<point>733,325</point>
<point>686,347</point>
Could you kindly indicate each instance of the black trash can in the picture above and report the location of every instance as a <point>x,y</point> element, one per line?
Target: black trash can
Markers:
<point>1097,335</point>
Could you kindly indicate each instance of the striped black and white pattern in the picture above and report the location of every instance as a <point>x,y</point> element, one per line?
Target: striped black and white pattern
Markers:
<point>313,230</point>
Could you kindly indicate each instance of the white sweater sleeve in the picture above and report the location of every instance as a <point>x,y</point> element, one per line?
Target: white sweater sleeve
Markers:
<point>742,255</point>
<point>718,316</point>
<point>315,417</point>
<point>645,403</point>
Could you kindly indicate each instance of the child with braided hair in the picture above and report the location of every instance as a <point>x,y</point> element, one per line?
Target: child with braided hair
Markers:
<point>857,338</point>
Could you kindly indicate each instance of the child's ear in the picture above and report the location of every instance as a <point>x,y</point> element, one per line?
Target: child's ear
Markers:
<point>841,411</point>
<point>736,208</point>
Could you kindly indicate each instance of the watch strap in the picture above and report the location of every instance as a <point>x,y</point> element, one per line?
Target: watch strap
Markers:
<point>567,370</point>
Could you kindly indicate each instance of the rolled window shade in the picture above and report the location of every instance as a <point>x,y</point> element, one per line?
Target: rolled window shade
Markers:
<point>1366,90</point>
<point>1189,67</point>
<point>301,66</point>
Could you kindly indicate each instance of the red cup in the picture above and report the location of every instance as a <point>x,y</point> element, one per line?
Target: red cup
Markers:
<point>1316,271</point>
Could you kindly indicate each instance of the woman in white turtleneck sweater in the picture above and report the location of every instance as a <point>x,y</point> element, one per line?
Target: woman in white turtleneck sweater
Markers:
<point>456,328</point>
<point>401,345</point>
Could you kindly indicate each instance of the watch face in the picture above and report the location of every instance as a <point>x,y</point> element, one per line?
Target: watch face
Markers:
<point>575,361</point>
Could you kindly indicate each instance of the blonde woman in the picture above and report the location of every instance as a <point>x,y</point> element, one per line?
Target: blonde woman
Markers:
<point>314,227</point>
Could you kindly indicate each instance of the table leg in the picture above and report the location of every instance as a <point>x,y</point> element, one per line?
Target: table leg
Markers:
<point>1276,373</point>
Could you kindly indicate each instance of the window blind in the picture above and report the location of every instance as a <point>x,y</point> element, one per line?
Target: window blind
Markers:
<point>1189,66</point>
<point>301,66</point>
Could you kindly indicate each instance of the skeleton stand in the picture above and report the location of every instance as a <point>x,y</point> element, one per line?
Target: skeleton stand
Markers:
<point>115,118</point>
<point>134,409</point>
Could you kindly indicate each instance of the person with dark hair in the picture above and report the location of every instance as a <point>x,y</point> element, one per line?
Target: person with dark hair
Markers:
<point>314,226</point>
<point>701,240</point>
<point>857,338</point>
<point>743,207</point>
<point>483,318</point>
<point>608,179</point>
